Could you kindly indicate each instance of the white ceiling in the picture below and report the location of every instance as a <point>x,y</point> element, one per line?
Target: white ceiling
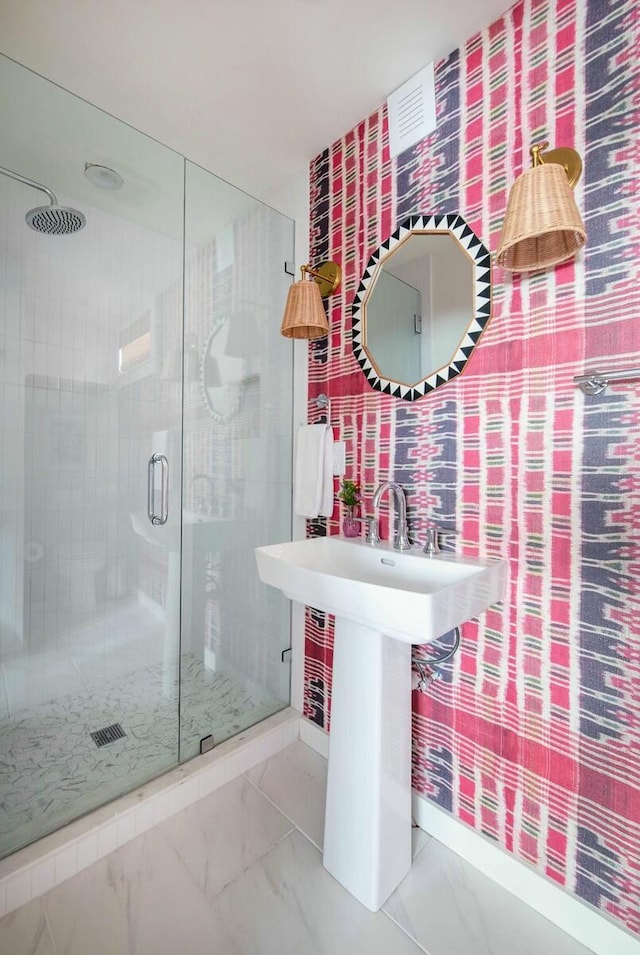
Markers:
<point>250,89</point>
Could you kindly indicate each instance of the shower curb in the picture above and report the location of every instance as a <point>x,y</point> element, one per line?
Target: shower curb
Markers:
<point>31,872</point>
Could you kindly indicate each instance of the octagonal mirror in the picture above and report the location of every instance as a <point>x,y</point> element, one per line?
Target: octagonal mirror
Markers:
<point>422,306</point>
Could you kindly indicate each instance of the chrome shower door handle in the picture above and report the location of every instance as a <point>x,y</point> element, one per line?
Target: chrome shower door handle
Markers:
<point>164,498</point>
<point>164,489</point>
<point>150,489</point>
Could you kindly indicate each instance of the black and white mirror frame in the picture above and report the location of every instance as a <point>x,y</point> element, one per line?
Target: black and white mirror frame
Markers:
<point>456,226</point>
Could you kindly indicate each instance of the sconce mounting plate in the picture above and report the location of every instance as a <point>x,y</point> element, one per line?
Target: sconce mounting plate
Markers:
<point>327,277</point>
<point>564,156</point>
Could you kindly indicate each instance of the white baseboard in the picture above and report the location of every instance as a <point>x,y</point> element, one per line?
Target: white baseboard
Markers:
<point>565,910</point>
<point>315,737</point>
<point>574,917</point>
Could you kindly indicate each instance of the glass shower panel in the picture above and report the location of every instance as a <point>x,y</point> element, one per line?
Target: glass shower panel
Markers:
<point>90,388</point>
<point>237,459</point>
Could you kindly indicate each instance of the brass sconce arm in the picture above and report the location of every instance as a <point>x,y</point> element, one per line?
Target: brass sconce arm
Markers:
<point>327,276</point>
<point>568,158</point>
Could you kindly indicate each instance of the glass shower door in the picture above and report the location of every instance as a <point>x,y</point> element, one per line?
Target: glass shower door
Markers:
<point>237,434</point>
<point>90,389</point>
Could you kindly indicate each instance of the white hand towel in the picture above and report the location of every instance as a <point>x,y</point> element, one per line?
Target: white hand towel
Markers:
<point>310,482</point>
<point>326,502</point>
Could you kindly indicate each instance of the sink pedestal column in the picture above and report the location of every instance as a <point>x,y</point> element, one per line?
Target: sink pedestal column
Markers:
<point>367,836</point>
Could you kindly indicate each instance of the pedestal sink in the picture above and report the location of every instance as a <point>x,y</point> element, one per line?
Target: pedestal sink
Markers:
<point>384,601</point>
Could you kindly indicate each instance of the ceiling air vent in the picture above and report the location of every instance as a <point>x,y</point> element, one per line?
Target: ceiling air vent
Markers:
<point>412,111</point>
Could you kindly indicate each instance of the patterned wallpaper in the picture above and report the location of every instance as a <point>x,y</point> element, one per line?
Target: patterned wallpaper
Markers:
<point>532,736</point>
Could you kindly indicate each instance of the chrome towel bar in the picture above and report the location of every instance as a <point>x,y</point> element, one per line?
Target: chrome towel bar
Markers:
<point>595,382</point>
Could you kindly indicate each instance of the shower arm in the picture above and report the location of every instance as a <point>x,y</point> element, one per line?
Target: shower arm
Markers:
<point>29,182</point>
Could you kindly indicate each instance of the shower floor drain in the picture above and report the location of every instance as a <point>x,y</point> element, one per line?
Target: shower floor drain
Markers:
<point>108,735</point>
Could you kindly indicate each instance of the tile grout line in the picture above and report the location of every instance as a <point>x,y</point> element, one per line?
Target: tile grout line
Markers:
<point>283,813</point>
<point>183,866</point>
<point>168,841</point>
<point>47,923</point>
<point>309,839</point>
<point>412,938</point>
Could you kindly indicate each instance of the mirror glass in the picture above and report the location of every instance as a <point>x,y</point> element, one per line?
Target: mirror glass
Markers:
<point>422,305</point>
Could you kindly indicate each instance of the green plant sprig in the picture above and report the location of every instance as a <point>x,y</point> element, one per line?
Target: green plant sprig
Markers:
<point>349,492</point>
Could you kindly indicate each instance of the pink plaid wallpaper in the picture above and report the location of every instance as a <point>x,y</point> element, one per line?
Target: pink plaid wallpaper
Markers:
<point>533,734</point>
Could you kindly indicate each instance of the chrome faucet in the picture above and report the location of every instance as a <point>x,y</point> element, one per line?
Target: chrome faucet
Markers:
<point>201,504</point>
<point>401,539</point>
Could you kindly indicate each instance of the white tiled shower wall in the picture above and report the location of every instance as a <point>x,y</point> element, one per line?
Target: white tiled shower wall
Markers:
<point>64,302</point>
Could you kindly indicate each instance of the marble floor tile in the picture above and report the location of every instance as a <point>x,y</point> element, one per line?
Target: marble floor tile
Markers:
<point>140,900</point>
<point>287,904</point>
<point>451,908</point>
<point>229,875</point>
<point>222,835</point>
<point>296,781</point>
<point>25,932</point>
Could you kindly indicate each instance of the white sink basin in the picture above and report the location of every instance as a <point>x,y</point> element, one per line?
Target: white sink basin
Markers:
<point>403,594</point>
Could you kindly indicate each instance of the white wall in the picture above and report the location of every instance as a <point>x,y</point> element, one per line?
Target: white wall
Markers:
<point>59,339</point>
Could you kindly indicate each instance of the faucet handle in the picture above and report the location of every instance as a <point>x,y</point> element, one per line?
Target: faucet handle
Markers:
<point>373,530</point>
<point>432,545</point>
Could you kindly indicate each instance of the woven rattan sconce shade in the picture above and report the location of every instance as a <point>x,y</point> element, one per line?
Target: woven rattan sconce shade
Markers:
<point>304,314</point>
<point>542,226</point>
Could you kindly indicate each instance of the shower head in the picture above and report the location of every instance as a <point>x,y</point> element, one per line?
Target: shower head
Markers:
<point>53,219</point>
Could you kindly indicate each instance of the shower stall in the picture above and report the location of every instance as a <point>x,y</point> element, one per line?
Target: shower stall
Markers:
<point>145,427</point>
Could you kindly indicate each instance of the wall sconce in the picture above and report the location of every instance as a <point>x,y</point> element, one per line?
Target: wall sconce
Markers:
<point>543,226</point>
<point>304,314</point>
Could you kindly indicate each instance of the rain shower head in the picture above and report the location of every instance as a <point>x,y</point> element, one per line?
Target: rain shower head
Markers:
<point>53,219</point>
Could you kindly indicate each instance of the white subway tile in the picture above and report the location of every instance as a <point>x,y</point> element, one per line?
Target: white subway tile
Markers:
<point>144,817</point>
<point>161,807</point>
<point>107,839</point>
<point>66,863</point>
<point>126,823</point>
<point>87,850</point>
<point>43,877</point>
